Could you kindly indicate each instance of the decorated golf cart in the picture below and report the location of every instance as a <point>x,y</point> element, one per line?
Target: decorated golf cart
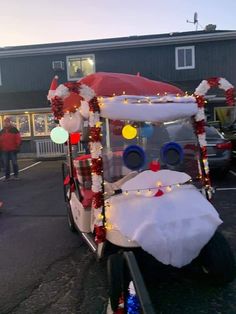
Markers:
<point>145,182</point>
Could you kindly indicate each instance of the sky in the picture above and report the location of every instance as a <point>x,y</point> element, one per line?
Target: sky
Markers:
<point>27,22</point>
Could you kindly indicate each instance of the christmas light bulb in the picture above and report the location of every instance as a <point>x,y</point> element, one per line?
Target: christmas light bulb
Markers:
<point>100,216</point>
<point>168,188</point>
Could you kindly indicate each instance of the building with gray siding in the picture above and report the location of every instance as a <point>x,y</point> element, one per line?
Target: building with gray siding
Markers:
<point>183,59</point>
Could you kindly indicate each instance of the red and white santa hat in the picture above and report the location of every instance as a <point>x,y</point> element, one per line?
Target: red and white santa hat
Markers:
<point>53,87</point>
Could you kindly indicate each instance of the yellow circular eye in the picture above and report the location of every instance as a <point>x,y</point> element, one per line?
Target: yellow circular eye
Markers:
<point>129,132</point>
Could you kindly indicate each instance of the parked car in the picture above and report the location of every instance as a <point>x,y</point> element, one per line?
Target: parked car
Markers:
<point>218,147</point>
<point>219,150</point>
<point>230,134</point>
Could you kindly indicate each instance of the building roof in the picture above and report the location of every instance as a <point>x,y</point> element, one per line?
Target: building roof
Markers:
<point>118,43</point>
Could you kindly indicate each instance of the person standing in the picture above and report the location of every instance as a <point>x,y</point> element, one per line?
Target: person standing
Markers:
<point>10,141</point>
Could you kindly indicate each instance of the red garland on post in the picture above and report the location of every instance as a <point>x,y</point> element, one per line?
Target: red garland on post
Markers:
<point>200,101</point>
<point>96,166</point>
<point>97,169</point>
<point>93,105</point>
<point>229,95</point>
<point>200,126</point>
<point>95,134</point>
<point>100,234</point>
<point>57,107</point>
<point>199,94</point>
<point>98,200</point>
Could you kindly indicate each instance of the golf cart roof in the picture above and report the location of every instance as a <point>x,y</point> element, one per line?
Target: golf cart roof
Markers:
<point>133,97</point>
<point>127,97</point>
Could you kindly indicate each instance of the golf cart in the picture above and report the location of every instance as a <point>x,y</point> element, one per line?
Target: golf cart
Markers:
<point>140,186</point>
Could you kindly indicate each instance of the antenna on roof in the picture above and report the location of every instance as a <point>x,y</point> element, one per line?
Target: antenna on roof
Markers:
<point>195,20</point>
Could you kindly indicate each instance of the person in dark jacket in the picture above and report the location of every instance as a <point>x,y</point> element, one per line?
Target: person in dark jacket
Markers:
<point>10,141</point>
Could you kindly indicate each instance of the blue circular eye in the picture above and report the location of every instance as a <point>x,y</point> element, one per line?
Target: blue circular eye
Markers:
<point>146,130</point>
<point>172,154</point>
<point>134,157</point>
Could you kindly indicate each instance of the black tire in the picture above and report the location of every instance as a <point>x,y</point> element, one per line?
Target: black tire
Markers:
<point>115,268</point>
<point>70,219</point>
<point>217,260</point>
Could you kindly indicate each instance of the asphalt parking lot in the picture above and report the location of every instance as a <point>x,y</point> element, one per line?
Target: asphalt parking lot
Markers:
<point>45,268</point>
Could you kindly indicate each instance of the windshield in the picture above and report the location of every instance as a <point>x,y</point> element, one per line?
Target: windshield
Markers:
<point>136,146</point>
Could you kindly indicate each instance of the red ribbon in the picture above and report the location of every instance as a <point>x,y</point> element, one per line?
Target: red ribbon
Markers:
<point>159,193</point>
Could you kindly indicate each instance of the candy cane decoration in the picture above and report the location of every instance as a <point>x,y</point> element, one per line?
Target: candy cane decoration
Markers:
<point>200,117</point>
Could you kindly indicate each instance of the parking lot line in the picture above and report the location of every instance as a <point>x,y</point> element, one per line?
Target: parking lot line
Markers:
<point>233,173</point>
<point>225,189</point>
<point>23,169</point>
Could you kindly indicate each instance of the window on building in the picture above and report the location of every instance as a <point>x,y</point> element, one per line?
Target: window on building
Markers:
<point>43,123</point>
<point>22,123</point>
<point>80,66</point>
<point>184,58</point>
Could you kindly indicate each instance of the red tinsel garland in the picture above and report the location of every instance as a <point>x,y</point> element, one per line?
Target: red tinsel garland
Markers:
<point>200,126</point>
<point>204,152</point>
<point>97,200</point>
<point>100,234</point>
<point>214,81</point>
<point>95,134</point>
<point>57,107</point>
<point>229,94</point>
<point>73,87</point>
<point>96,166</point>
<point>93,105</point>
<point>200,101</point>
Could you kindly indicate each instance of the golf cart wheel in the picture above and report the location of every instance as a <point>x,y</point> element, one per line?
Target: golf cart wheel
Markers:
<point>217,260</point>
<point>70,219</point>
<point>115,267</point>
